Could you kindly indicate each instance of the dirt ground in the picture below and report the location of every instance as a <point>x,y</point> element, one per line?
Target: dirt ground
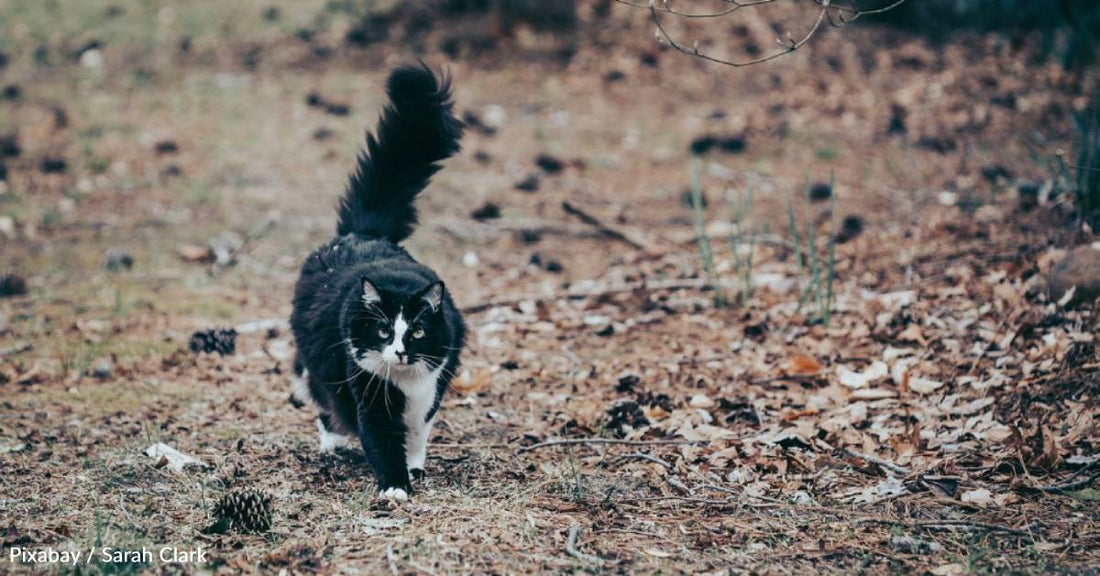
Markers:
<point>941,417</point>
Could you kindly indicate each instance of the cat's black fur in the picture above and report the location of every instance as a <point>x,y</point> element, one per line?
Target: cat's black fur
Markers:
<point>352,289</point>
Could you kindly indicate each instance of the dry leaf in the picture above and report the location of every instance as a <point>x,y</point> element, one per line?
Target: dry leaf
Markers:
<point>468,384</point>
<point>877,370</point>
<point>193,253</point>
<point>980,496</point>
<point>924,385</point>
<point>701,401</point>
<point>912,333</point>
<point>871,394</point>
<point>803,365</point>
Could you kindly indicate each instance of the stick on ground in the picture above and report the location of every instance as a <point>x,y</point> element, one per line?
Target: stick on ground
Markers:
<point>571,547</point>
<point>565,441</point>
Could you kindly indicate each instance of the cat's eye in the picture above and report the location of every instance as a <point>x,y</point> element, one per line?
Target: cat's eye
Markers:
<point>419,333</point>
<point>383,333</point>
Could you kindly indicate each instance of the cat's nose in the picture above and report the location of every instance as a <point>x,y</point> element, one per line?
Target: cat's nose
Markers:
<point>402,355</point>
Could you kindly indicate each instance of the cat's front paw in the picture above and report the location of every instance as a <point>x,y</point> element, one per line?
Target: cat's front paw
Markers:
<point>417,473</point>
<point>393,494</point>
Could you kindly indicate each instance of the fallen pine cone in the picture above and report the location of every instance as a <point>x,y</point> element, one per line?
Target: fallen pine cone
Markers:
<point>246,510</point>
<point>223,342</point>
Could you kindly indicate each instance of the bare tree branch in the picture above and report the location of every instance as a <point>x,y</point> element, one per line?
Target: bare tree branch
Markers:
<point>845,13</point>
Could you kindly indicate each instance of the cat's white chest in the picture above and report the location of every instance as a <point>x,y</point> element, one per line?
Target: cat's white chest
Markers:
<point>419,394</point>
<point>419,399</point>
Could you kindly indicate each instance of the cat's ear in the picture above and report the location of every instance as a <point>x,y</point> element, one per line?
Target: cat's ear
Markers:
<point>433,295</point>
<point>370,293</point>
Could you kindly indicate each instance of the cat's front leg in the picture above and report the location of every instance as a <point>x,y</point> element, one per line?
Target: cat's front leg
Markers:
<point>383,439</point>
<point>417,449</point>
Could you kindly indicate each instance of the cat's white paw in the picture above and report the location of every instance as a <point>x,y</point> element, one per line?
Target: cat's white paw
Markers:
<point>329,441</point>
<point>393,494</point>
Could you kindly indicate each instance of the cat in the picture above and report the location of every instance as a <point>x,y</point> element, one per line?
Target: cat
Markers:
<point>377,333</point>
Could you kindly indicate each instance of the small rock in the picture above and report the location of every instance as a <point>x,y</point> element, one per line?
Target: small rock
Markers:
<point>11,93</point>
<point>947,198</point>
<point>614,76</point>
<point>702,144</point>
<point>937,144</point>
<point>729,144</point>
<point>851,227</point>
<point>7,227</point>
<point>1079,270</point>
<point>53,165</point>
<point>820,192</point>
<point>488,211</point>
<point>337,108</point>
<point>1027,196</point>
<point>995,173</point>
<point>474,122</point>
<point>554,267</point>
<point>322,134</point>
<point>495,115</point>
<point>119,261</point>
<point>92,59</point>
<point>9,146</point>
<point>166,456</point>
<point>549,164</point>
<point>528,184</point>
<point>102,370</point>
<point>470,259</point>
<point>528,236</point>
<point>482,157</point>
<point>166,147</point>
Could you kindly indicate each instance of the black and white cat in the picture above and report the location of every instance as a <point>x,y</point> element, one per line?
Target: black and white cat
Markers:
<point>377,333</point>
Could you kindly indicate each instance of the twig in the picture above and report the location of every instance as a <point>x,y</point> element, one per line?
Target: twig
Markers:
<point>571,547</point>
<point>16,349</point>
<point>630,237</point>
<point>653,286</point>
<point>735,6</point>
<point>679,486</point>
<point>1061,155</point>
<point>262,325</point>
<point>642,456</point>
<point>790,45</point>
<point>882,463</point>
<point>946,524</point>
<point>694,50</point>
<point>690,499</point>
<point>566,441</point>
<point>1071,484</point>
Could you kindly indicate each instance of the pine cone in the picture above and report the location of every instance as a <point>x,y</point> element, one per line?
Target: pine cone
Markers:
<point>223,342</point>
<point>244,510</point>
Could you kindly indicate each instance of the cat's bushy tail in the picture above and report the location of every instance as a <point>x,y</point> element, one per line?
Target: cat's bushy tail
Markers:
<point>417,130</point>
